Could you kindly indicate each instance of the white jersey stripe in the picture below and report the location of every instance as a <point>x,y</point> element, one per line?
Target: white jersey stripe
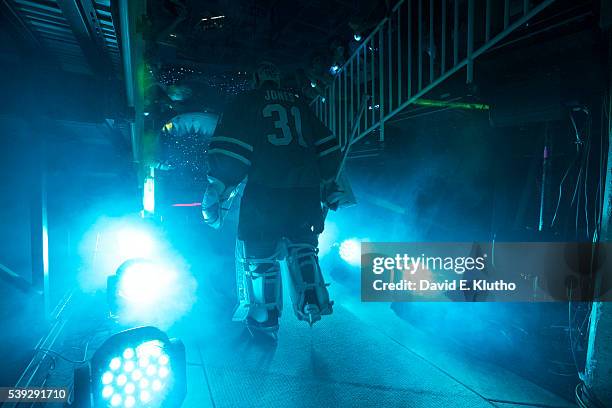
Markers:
<point>231,154</point>
<point>231,140</point>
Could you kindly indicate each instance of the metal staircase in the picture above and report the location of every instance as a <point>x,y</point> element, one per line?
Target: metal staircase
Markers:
<point>417,46</point>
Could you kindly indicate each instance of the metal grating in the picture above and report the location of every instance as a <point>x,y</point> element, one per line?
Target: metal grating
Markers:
<point>107,32</point>
<point>48,24</point>
<point>79,35</point>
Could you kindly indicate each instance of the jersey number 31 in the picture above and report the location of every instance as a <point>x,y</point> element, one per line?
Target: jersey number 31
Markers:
<point>281,121</point>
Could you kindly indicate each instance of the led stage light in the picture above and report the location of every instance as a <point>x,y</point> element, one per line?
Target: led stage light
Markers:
<point>139,367</point>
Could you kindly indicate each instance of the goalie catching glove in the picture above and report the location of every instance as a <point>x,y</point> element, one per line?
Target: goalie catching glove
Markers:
<point>337,194</point>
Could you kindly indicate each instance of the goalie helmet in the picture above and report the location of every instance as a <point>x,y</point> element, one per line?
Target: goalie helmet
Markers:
<point>266,72</point>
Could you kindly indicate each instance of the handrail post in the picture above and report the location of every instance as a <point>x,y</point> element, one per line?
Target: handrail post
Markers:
<point>470,42</point>
<point>381,72</point>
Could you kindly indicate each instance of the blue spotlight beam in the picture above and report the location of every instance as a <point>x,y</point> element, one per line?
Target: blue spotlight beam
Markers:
<point>350,251</point>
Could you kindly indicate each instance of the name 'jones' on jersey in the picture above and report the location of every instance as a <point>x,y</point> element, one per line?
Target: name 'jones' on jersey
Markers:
<point>276,95</point>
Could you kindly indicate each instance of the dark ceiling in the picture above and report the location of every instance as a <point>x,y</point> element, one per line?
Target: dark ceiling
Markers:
<point>200,52</point>
<point>206,51</point>
<point>235,34</point>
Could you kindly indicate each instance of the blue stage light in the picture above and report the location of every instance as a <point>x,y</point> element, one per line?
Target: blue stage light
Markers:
<point>350,251</point>
<point>148,196</point>
<point>134,242</point>
<point>112,379</point>
<point>158,373</point>
<point>139,285</point>
<point>357,37</point>
<point>334,69</point>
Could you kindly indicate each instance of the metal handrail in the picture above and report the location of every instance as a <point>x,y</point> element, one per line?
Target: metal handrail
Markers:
<point>403,58</point>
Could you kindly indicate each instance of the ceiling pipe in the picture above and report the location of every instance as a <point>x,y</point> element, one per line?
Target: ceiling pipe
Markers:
<point>132,49</point>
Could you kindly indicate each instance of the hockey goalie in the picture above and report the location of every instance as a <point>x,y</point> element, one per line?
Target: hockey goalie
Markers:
<point>270,141</point>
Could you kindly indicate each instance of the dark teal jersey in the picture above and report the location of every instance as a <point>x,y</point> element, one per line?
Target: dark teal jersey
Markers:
<point>273,137</point>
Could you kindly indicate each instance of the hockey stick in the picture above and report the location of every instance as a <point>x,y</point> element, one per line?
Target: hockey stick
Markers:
<point>349,144</point>
<point>354,128</point>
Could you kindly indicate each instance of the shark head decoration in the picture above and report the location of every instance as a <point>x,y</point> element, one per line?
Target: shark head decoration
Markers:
<point>201,123</point>
<point>184,141</point>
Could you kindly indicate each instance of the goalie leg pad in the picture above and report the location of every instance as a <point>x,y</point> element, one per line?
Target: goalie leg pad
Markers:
<point>308,288</point>
<point>259,286</point>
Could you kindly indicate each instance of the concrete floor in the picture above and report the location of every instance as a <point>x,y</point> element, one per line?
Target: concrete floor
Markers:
<point>361,356</point>
<point>377,360</point>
